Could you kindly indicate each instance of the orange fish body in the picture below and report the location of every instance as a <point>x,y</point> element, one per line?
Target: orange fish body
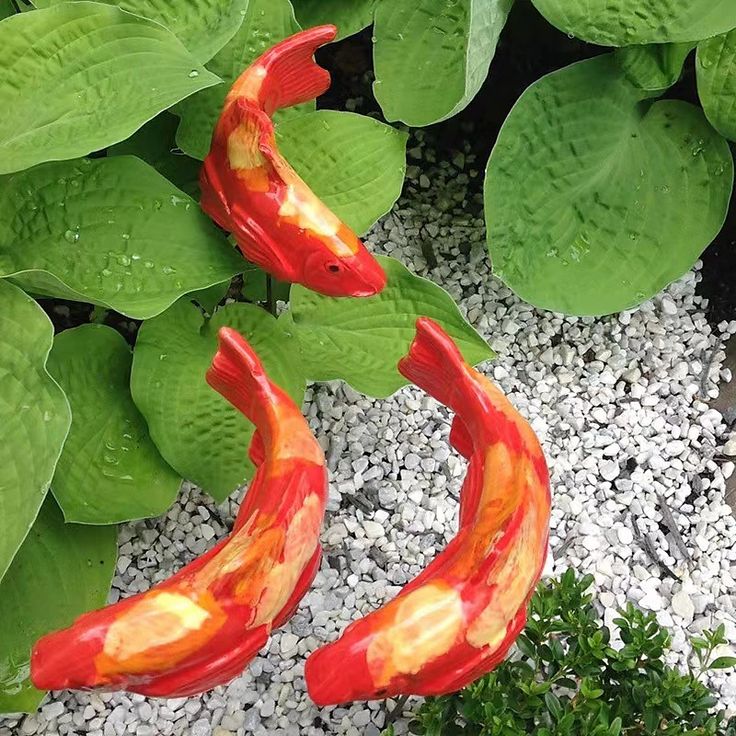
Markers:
<point>249,189</point>
<point>201,627</point>
<point>457,620</point>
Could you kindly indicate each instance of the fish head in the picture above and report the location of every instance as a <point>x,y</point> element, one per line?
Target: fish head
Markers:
<point>356,274</point>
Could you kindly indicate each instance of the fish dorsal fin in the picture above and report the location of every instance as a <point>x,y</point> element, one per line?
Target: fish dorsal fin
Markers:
<point>251,145</point>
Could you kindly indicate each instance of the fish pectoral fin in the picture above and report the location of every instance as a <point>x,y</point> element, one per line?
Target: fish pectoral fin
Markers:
<point>259,247</point>
<point>257,450</point>
<point>460,437</point>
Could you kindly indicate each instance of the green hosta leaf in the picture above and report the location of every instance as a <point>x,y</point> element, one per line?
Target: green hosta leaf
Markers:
<point>655,67</point>
<point>34,417</point>
<point>110,470</point>
<point>199,433</point>
<point>350,16</point>
<point>354,163</point>
<point>432,56</point>
<point>154,143</point>
<point>110,231</point>
<point>266,23</point>
<point>597,198</point>
<point>80,76</point>
<point>361,340</point>
<point>626,22</point>
<point>716,70</point>
<point>203,26</point>
<point>61,571</point>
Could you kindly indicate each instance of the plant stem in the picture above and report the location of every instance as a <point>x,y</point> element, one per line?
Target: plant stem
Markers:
<point>270,301</point>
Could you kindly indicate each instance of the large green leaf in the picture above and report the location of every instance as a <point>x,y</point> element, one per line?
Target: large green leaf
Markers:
<point>716,71</point>
<point>432,56</point>
<point>154,143</point>
<point>596,198</point>
<point>203,26</point>
<point>110,231</point>
<point>34,417</point>
<point>110,470</point>
<point>199,433</point>
<point>80,76</point>
<point>354,163</point>
<point>61,571</point>
<point>654,67</point>
<point>361,340</point>
<point>626,22</point>
<point>350,16</point>
<point>266,23</point>
<point>6,8</point>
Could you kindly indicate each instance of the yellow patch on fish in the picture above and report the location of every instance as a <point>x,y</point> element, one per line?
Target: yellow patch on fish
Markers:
<point>512,580</point>
<point>301,542</point>
<point>246,158</point>
<point>159,630</point>
<point>291,441</point>
<point>426,624</point>
<point>248,85</point>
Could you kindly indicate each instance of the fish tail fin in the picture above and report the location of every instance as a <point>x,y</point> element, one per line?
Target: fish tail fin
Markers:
<point>292,74</point>
<point>436,365</point>
<point>238,374</point>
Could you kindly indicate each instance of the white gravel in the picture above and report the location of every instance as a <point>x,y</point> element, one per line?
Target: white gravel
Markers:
<point>621,406</point>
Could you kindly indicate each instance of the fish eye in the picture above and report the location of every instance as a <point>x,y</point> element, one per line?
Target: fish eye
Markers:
<point>333,267</point>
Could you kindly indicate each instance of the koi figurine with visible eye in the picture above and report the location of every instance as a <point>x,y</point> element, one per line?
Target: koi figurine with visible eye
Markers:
<point>201,627</point>
<point>458,618</point>
<point>249,189</point>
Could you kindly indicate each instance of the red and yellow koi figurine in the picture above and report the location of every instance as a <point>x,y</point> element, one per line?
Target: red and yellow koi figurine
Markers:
<point>459,617</point>
<point>201,627</point>
<point>249,189</point>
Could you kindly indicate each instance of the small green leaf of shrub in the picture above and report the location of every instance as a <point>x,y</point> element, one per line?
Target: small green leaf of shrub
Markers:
<point>155,144</point>
<point>80,76</point>
<point>432,56</point>
<point>627,22</point>
<point>110,470</point>
<point>34,417</point>
<point>201,435</point>
<point>266,22</point>
<point>109,231</point>
<point>567,679</point>
<point>716,71</point>
<point>354,163</point>
<point>361,340</point>
<point>203,26</point>
<point>596,198</point>
<point>61,571</point>
<point>350,16</point>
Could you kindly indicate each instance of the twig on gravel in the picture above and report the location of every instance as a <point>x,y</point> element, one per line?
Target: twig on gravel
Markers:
<point>559,551</point>
<point>396,711</point>
<point>703,388</point>
<point>671,524</point>
<point>651,550</point>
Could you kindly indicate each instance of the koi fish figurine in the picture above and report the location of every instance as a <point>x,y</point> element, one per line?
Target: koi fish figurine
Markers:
<point>459,617</point>
<point>201,627</point>
<point>249,189</point>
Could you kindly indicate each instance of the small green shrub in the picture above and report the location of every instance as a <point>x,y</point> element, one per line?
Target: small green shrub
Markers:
<point>567,679</point>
